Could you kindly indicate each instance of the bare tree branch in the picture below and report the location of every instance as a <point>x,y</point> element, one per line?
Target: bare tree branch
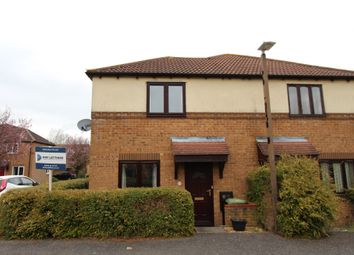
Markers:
<point>77,149</point>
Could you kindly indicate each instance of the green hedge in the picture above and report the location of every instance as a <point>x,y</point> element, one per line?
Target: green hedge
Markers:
<point>82,183</point>
<point>350,195</point>
<point>306,205</point>
<point>258,186</point>
<point>141,212</point>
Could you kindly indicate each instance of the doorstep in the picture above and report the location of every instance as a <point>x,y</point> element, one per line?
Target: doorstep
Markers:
<point>226,229</point>
<point>209,230</point>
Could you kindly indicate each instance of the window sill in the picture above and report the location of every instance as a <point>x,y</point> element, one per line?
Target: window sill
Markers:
<point>163,115</point>
<point>317,116</point>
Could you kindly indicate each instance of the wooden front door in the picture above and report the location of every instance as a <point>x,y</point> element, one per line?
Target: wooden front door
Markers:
<point>199,182</point>
<point>2,171</point>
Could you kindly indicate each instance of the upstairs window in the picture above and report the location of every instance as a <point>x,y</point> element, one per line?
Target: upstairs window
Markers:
<point>12,148</point>
<point>166,99</point>
<point>305,100</point>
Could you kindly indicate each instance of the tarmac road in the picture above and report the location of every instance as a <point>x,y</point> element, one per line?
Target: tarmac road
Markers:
<point>340,243</point>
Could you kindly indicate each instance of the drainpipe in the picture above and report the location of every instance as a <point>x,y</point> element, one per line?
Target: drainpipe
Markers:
<point>30,160</point>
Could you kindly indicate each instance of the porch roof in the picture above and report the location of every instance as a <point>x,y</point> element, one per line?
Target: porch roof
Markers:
<point>199,146</point>
<point>287,145</point>
<point>220,66</point>
<point>200,149</point>
<point>336,156</point>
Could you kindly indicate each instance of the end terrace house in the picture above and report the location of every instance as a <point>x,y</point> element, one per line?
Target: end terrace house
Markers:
<point>199,124</point>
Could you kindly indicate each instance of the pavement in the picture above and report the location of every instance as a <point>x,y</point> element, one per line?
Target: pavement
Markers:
<point>339,243</point>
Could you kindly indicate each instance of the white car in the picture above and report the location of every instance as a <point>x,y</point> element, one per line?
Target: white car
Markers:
<point>9,182</point>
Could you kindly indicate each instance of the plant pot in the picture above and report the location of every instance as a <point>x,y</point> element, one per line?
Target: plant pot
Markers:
<point>239,224</point>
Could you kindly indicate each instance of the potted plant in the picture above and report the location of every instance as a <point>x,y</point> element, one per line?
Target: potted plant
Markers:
<point>239,224</point>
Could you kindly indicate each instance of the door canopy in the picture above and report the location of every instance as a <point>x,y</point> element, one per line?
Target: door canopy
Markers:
<point>285,145</point>
<point>200,149</point>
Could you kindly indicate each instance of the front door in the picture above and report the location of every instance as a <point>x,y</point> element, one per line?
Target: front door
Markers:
<point>199,182</point>
<point>2,171</point>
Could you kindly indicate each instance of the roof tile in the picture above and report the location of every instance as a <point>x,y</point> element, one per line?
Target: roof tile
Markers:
<point>26,135</point>
<point>226,65</point>
<point>291,148</point>
<point>336,156</point>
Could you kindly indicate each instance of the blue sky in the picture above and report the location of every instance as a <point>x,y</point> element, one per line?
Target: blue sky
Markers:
<point>46,46</point>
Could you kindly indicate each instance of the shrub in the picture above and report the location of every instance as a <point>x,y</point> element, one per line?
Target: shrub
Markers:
<point>82,183</point>
<point>306,205</point>
<point>258,185</point>
<point>350,195</point>
<point>143,212</point>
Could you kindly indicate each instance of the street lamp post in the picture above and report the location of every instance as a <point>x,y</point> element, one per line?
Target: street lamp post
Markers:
<point>271,158</point>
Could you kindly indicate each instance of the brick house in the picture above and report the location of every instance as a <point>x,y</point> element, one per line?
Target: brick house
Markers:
<point>20,156</point>
<point>199,124</point>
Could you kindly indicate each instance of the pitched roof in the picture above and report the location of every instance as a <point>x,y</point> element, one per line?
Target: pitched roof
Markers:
<point>292,148</point>
<point>27,135</point>
<point>33,137</point>
<point>288,145</point>
<point>226,65</point>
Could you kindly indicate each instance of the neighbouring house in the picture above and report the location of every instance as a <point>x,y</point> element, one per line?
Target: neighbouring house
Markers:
<point>20,153</point>
<point>199,124</point>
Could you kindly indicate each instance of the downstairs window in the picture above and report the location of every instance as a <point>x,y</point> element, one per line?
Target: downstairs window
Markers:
<point>139,174</point>
<point>339,173</point>
<point>18,170</point>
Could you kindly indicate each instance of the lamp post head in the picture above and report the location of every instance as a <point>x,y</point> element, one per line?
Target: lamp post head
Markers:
<point>266,46</point>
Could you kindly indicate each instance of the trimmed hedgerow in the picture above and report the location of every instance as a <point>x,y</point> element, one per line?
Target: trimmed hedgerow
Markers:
<point>81,183</point>
<point>306,205</point>
<point>140,212</point>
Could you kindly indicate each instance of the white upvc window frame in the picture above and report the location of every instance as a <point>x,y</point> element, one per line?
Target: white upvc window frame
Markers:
<point>12,148</point>
<point>339,173</point>
<point>20,170</point>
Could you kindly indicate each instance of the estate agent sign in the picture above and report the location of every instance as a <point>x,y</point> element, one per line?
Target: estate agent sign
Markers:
<point>50,158</point>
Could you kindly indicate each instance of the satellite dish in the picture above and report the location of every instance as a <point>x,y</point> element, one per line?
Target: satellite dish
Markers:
<point>84,125</point>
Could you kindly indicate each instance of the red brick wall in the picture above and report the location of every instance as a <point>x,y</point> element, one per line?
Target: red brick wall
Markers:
<point>242,212</point>
<point>344,213</point>
<point>114,133</point>
<point>26,157</point>
<point>21,158</point>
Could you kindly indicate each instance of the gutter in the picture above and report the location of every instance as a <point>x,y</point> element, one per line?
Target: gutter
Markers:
<point>92,74</point>
<point>30,160</point>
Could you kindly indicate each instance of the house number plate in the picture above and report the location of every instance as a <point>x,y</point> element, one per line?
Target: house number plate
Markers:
<point>198,198</point>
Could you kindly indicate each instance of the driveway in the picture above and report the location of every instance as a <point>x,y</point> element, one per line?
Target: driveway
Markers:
<point>220,243</point>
